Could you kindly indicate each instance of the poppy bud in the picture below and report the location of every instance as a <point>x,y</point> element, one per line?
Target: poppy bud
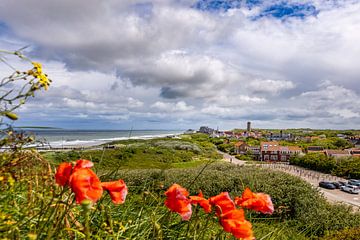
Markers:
<point>86,204</point>
<point>11,115</point>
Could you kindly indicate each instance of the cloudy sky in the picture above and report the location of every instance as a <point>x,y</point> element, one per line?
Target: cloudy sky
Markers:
<point>178,64</point>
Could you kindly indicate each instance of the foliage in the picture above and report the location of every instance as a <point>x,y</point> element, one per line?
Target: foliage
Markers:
<point>154,153</point>
<point>245,157</point>
<point>344,167</point>
<point>40,208</point>
<point>15,91</point>
<point>346,234</point>
<point>299,212</point>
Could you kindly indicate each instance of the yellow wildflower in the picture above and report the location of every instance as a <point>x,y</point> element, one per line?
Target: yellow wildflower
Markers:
<point>37,65</point>
<point>37,72</point>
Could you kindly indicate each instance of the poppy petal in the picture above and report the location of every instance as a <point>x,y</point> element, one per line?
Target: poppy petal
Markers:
<point>117,190</point>
<point>204,203</point>
<point>177,201</point>
<point>63,173</point>
<point>259,202</point>
<point>86,185</point>
<point>83,163</point>
<point>223,202</point>
<point>234,222</point>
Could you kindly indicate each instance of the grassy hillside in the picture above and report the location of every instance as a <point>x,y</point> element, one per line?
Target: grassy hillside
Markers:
<point>33,206</point>
<point>155,153</point>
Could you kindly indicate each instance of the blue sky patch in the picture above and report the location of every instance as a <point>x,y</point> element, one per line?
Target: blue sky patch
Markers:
<point>279,9</point>
<point>217,5</point>
<point>285,10</point>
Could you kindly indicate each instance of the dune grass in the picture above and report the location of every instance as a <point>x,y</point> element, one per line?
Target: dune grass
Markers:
<point>33,206</point>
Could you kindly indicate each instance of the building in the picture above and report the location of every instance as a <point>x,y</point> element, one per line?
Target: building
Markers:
<point>337,153</point>
<point>272,151</point>
<point>255,152</point>
<point>240,147</point>
<point>357,144</point>
<point>248,127</point>
<point>280,136</point>
<point>311,149</point>
<point>207,130</point>
<point>355,152</point>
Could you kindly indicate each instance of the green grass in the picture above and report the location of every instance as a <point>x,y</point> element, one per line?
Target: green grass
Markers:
<point>132,154</point>
<point>32,205</point>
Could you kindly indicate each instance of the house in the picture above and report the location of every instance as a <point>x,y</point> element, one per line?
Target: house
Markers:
<point>341,136</point>
<point>272,151</point>
<point>355,152</point>
<point>269,151</point>
<point>207,130</point>
<point>357,144</point>
<point>337,153</point>
<point>354,140</point>
<point>280,136</point>
<point>255,152</point>
<point>228,134</point>
<point>311,149</point>
<point>241,147</point>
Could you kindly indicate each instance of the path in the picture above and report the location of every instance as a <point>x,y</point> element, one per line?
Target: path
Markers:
<point>232,159</point>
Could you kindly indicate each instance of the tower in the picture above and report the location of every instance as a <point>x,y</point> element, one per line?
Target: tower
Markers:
<point>248,127</point>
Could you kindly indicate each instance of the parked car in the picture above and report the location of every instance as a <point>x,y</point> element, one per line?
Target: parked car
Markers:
<point>327,185</point>
<point>350,189</point>
<point>342,183</point>
<point>354,182</point>
<point>338,184</point>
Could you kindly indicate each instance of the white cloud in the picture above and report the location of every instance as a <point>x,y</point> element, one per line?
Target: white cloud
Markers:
<point>180,106</point>
<point>269,86</point>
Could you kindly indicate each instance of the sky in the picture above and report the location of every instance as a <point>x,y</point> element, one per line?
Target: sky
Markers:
<point>179,64</point>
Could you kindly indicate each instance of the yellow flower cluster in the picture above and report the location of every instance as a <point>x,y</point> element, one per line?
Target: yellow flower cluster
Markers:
<point>38,73</point>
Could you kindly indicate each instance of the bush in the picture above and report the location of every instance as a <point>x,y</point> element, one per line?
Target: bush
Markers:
<point>295,200</point>
<point>346,234</point>
<point>344,167</point>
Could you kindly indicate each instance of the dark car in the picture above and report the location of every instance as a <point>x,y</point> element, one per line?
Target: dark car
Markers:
<point>327,185</point>
<point>337,184</point>
<point>342,183</point>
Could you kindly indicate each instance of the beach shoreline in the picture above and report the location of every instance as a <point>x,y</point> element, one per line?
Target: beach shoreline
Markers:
<point>94,143</point>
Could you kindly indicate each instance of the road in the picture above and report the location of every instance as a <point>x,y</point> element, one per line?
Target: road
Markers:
<point>309,176</point>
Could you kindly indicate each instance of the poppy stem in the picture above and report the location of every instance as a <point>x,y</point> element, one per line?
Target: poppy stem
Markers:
<point>86,206</point>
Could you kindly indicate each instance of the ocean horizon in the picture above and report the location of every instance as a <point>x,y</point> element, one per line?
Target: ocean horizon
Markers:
<point>58,138</point>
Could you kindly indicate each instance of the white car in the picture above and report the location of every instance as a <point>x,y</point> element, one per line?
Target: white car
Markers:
<point>350,189</point>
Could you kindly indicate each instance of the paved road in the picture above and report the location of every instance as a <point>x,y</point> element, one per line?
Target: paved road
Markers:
<point>232,159</point>
<point>311,177</point>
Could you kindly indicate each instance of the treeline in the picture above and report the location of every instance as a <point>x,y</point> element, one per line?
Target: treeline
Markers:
<point>343,167</point>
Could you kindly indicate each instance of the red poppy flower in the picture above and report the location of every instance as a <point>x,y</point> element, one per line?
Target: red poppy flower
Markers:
<point>259,202</point>
<point>234,222</point>
<point>85,184</point>
<point>63,173</point>
<point>204,203</point>
<point>83,163</point>
<point>177,201</point>
<point>223,203</point>
<point>117,190</point>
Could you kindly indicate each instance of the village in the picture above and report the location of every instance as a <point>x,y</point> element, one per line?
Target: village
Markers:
<point>281,145</point>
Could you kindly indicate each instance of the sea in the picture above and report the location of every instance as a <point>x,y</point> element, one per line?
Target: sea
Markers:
<point>63,138</point>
